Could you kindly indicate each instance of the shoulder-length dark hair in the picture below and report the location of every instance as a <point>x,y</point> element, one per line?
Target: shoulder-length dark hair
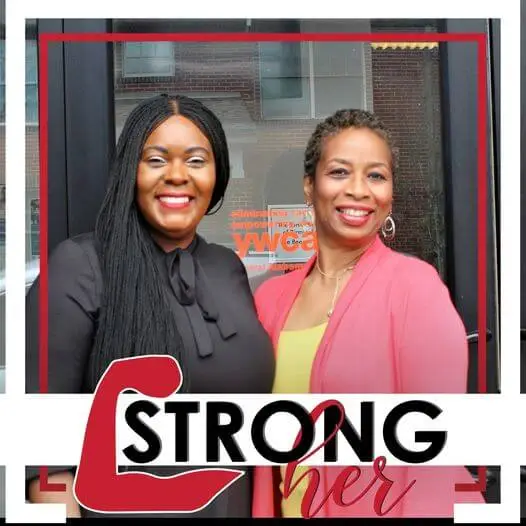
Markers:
<point>135,318</point>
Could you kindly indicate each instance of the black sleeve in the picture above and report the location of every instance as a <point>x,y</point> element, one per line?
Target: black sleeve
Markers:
<point>72,310</point>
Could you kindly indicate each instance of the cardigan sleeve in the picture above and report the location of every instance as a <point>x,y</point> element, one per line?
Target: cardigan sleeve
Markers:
<point>430,339</point>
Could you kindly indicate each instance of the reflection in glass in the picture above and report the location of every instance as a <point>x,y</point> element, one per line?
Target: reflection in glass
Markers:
<point>32,176</point>
<point>147,59</point>
<point>270,96</point>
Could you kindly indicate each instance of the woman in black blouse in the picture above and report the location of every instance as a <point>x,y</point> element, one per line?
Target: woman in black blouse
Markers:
<point>145,283</point>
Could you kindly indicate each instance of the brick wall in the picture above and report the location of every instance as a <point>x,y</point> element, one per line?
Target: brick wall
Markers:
<point>209,69</point>
<point>32,192</point>
<point>32,156</point>
<point>405,95</point>
<point>202,67</point>
<point>407,99</point>
<point>32,185</point>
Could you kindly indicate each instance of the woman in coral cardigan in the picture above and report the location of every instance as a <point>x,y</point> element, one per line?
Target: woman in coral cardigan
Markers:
<point>361,318</point>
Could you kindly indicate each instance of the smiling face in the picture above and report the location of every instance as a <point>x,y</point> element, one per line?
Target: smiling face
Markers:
<point>352,189</point>
<point>175,181</point>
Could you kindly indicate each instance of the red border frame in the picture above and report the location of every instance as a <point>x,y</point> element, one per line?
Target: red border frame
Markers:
<point>478,38</point>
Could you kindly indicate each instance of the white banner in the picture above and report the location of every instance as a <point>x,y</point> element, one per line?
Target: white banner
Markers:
<point>53,428</point>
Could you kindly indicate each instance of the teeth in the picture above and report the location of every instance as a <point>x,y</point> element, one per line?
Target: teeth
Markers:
<point>354,213</point>
<point>174,200</point>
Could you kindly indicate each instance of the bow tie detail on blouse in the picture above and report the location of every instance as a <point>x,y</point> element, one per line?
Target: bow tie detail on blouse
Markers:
<point>193,291</point>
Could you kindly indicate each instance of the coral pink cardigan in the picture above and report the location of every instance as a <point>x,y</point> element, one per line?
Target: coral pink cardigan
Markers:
<point>394,330</point>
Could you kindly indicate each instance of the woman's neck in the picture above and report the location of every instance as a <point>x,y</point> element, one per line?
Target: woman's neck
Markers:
<point>332,259</point>
<point>168,244</point>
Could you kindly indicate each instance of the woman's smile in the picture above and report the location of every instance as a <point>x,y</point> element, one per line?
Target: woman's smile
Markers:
<point>354,215</point>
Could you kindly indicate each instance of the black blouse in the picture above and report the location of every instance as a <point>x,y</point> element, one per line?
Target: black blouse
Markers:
<point>226,348</point>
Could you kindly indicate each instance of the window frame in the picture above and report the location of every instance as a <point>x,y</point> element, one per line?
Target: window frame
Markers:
<point>33,84</point>
<point>310,77</point>
<point>170,61</point>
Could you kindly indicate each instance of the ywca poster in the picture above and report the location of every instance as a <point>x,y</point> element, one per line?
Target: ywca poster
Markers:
<point>283,233</point>
<point>260,267</point>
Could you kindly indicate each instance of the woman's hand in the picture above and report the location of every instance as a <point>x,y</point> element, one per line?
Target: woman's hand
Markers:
<point>66,497</point>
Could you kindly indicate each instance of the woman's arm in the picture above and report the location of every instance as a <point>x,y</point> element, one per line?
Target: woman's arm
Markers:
<point>430,340</point>
<point>432,356</point>
<point>72,304</point>
<point>72,309</point>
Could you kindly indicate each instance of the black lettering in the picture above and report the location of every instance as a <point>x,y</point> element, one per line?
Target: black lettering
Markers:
<point>215,432</point>
<point>437,439</point>
<point>181,410</point>
<point>145,432</point>
<point>258,432</point>
<point>362,445</point>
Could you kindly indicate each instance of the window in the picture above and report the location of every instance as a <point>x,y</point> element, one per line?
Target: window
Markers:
<point>284,80</point>
<point>280,64</point>
<point>31,83</point>
<point>269,96</point>
<point>236,163</point>
<point>148,59</point>
<point>311,80</point>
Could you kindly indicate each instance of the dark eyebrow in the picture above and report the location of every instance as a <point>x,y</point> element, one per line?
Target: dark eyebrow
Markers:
<point>341,161</point>
<point>369,165</point>
<point>162,149</point>
<point>195,149</point>
<point>158,148</point>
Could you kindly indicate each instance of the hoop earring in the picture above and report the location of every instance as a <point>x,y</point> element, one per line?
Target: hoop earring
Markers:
<point>309,216</point>
<point>388,228</point>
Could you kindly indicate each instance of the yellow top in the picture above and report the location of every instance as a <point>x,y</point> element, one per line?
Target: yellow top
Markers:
<point>294,358</point>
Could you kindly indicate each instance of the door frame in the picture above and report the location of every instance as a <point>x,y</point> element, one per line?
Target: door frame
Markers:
<point>81,111</point>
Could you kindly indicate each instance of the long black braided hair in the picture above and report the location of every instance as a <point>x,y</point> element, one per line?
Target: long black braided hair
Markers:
<point>134,316</point>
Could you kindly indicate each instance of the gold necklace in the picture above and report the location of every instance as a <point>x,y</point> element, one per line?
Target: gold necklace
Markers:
<point>337,278</point>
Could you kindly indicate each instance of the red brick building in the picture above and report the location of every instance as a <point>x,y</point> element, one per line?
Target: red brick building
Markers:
<point>270,96</point>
